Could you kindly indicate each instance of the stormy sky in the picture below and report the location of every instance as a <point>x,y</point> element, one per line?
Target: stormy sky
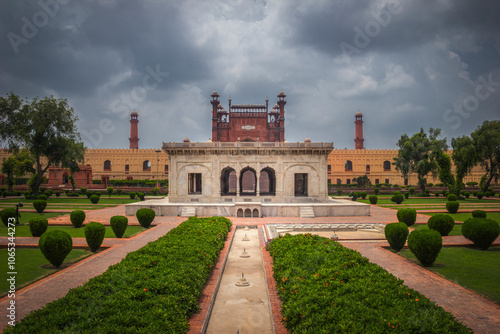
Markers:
<point>404,64</point>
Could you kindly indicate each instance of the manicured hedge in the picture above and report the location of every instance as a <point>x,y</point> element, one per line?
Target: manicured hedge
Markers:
<point>327,288</point>
<point>153,290</point>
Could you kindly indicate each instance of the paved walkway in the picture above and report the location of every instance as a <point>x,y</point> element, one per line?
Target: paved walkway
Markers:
<point>473,310</point>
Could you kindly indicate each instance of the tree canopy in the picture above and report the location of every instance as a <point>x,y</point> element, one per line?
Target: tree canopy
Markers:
<point>44,127</point>
<point>419,153</point>
<point>486,143</point>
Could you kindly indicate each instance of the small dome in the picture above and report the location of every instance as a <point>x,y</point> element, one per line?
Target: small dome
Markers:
<point>134,113</point>
<point>307,140</point>
<point>209,140</point>
<point>186,140</point>
<point>359,113</point>
<point>214,93</point>
<point>281,93</point>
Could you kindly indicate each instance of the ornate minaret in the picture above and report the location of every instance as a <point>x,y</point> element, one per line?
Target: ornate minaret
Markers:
<point>281,105</point>
<point>134,130</point>
<point>358,139</point>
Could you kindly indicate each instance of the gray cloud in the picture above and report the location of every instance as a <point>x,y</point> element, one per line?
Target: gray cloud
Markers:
<point>413,64</point>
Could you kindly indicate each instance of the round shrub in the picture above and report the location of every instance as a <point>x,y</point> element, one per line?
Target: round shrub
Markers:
<point>39,205</point>
<point>466,194</point>
<point>109,191</point>
<point>339,192</point>
<point>452,197</point>
<point>119,225</point>
<point>396,234</point>
<point>7,213</point>
<point>354,196</point>
<point>89,193</point>
<point>479,195</point>
<point>398,198</point>
<point>481,231</point>
<point>363,194</point>
<point>412,190</point>
<point>58,193</point>
<point>145,217</point>
<point>98,193</point>
<point>141,196</point>
<point>77,218</point>
<point>478,214</point>
<point>407,216</point>
<point>436,194</point>
<point>452,206</point>
<point>42,197</point>
<point>83,191</point>
<point>38,226</point>
<point>94,234</point>
<point>376,190</point>
<point>425,244</point>
<point>94,199</point>
<point>373,199</point>
<point>441,223</point>
<point>406,194</point>
<point>55,246</point>
<point>132,194</point>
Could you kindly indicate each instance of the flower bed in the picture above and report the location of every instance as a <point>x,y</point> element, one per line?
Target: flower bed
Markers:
<point>153,290</point>
<point>327,288</point>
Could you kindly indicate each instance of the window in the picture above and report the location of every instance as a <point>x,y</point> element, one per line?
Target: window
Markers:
<point>127,168</point>
<point>166,169</point>
<point>339,181</point>
<point>146,166</point>
<point>367,168</point>
<point>348,181</point>
<point>387,165</point>
<point>406,182</point>
<point>377,181</point>
<point>301,184</point>
<point>107,165</point>
<point>194,183</point>
<point>329,168</point>
<point>248,182</point>
<point>228,181</point>
<point>387,181</point>
<point>267,182</point>
<point>348,165</point>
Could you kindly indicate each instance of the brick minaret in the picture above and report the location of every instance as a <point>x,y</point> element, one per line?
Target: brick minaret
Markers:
<point>134,130</point>
<point>358,139</point>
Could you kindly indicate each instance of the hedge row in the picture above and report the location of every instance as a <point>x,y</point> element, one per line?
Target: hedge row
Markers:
<point>153,290</point>
<point>327,288</point>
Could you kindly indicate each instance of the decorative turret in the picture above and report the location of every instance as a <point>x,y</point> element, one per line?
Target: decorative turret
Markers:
<point>134,130</point>
<point>358,139</point>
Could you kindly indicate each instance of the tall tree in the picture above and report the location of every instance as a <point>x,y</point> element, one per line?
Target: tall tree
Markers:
<point>17,165</point>
<point>486,139</point>
<point>418,154</point>
<point>45,127</point>
<point>464,157</point>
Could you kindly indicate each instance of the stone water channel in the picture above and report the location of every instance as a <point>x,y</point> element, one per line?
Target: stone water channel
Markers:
<point>242,303</point>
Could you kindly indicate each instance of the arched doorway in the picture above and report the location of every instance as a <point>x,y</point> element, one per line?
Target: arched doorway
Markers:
<point>267,182</point>
<point>248,182</point>
<point>228,182</point>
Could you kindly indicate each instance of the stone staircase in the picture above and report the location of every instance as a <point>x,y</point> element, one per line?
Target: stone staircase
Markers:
<point>188,211</point>
<point>306,212</point>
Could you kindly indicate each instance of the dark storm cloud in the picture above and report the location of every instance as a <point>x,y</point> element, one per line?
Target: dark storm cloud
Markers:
<point>408,64</point>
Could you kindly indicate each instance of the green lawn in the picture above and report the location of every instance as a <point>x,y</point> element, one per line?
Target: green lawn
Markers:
<point>469,267</point>
<point>24,231</point>
<point>29,265</point>
<point>26,216</point>
<point>464,216</point>
<point>430,200</point>
<point>72,200</point>
<point>457,229</point>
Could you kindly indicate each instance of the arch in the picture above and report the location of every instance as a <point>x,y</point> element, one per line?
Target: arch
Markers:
<point>248,182</point>
<point>267,181</point>
<point>228,182</point>
<point>239,213</point>
<point>107,165</point>
<point>248,213</point>
<point>65,178</point>
<point>348,165</point>
<point>387,165</point>
<point>146,166</point>
<point>255,213</point>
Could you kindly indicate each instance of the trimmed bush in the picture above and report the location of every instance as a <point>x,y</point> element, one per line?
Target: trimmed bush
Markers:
<point>396,234</point>
<point>397,198</point>
<point>354,196</point>
<point>109,191</point>
<point>119,225</point>
<point>479,195</point>
<point>452,197</point>
<point>94,199</point>
<point>407,216</point>
<point>66,191</point>
<point>48,193</point>
<point>38,226</point>
<point>376,190</point>
<point>436,194</point>
<point>441,223</point>
<point>73,195</point>
<point>145,217</point>
<point>89,193</point>
<point>55,246</point>
<point>141,196</point>
<point>363,194</point>
<point>339,192</point>
<point>132,195</point>
<point>481,231</point>
<point>406,194</point>
<point>77,218</point>
<point>478,214</point>
<point>58,193</point>
<point>452,206</point>
<point>425,244</point>
<point>373,199</point>
<point>94,234</point>
<point>412,190</point>
<point>98,193</point>
<point>119,191</point>
<point>7,213</point>
<point>39,205</point>
<point>42,197</point>
<point>83,191</point>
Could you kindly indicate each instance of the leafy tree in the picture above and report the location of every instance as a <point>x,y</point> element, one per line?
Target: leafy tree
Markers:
<point>17,165</point>
<point>464,157</point>
<point>74,155</point>
<point>45,127</point>
<point>454,184</point>
<point>418,154</point>
<point>486,139</point>
<point>362,181</point>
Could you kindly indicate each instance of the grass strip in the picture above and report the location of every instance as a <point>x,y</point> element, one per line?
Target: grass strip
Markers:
<point>31,265</point>
<point>327,288</point>
<point>152,290</point>
<point>24,231</point>
<point>469,267</point>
